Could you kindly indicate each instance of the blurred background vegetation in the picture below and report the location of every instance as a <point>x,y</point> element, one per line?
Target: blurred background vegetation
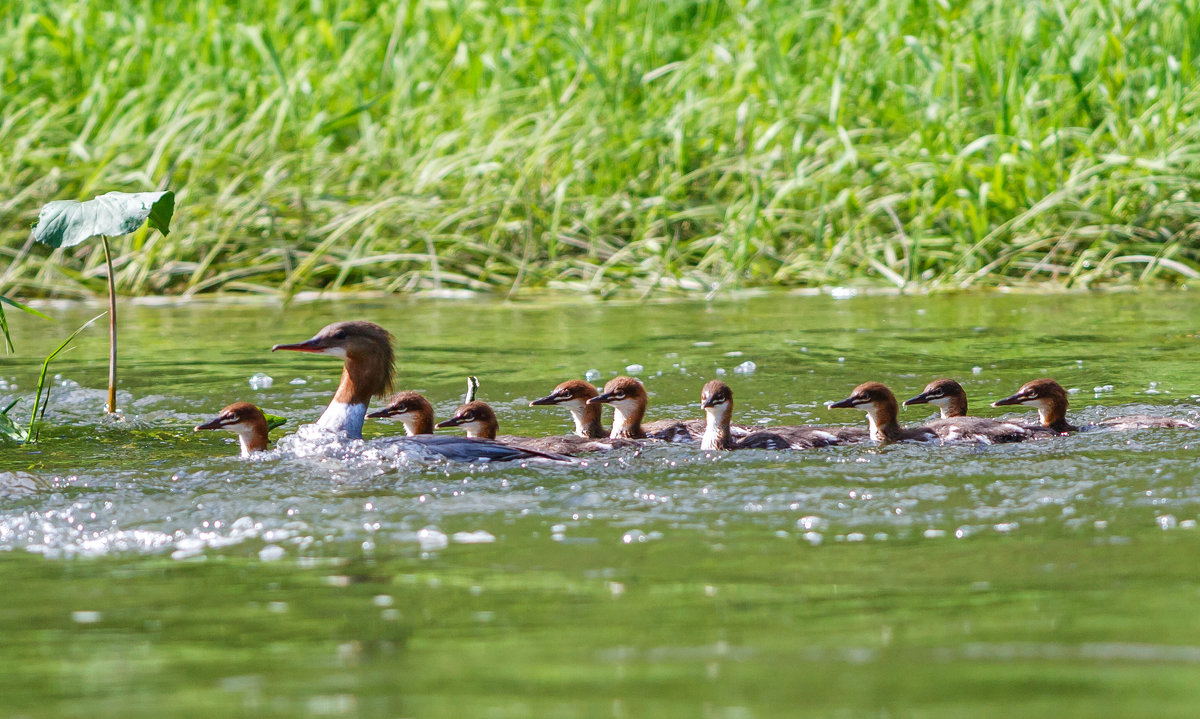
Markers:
<point>606,145</point>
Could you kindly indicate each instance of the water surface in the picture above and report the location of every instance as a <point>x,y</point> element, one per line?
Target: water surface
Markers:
<point>150,567</point>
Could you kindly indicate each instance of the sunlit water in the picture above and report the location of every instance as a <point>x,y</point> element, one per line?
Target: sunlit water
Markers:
<point>148,564</point>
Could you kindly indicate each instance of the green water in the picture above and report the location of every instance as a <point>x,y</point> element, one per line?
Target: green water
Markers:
<point>150,571</point>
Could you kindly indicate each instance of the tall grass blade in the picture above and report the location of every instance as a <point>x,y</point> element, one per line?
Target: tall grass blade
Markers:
<point>38,402</point>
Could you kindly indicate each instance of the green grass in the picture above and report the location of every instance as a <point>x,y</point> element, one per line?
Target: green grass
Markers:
<point>603,146</point>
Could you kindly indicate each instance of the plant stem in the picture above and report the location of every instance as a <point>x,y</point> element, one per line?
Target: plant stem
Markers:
<point>112,329</point>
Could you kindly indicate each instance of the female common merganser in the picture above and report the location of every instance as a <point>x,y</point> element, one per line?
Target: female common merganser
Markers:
<point>1051,401</point>
<point>717,401</point>
<point>366,349</point>
<point>247,421</point>
<point>479,421</point>
<point>954,424</point>
<point>629,399</point>
<point>414,412</point>
<point>882,408</point>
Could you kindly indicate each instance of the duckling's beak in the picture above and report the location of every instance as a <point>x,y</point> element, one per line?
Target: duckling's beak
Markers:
<point>452,422</point>
<point>922,398</point>
<point>548,399</point>
<point>312,345</point>
<point>1018,398</point>
<point>847,403</point>
<point>215,423</point>
<point>601,398</point>
<point>382,413</point>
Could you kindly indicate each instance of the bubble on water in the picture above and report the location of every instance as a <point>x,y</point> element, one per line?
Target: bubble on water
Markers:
<point>720,372</point>
<point>813,538</point>
<point>735,353</point>
<point>1103,388</point>
<point>746,367</point>
<point>1187,524</point>
<point>271,553</point>
<point>704,343</point>
<point>810,522</point>
<point>592,375</point>
<point>479,536</point>
<point>880,536</point>
<point>634,368</point>
<point>298,381</point>
<point>634,536</point>
<point>431,539</point>
<point>976,370</point>
<point>260,380</point>
<point>86,617</point>
<point>1005,527</point>
<point>841,359</point>
<point>1166,521</point>
<point>383,600</point>
<point>934,533</point>
<point>855,537</point>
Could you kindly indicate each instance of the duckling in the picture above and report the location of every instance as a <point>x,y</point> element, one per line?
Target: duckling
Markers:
<point>1051,401</point>
<point>413,410</point>
<point>574,395</point>
<point>247,421</point>
<point>954,424</point>
<point>881,407</point>
<point>628,398</point>
<point>479,421</point>
<point>716,399</point>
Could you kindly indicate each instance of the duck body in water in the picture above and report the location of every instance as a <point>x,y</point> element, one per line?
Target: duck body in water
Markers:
<point>882,410</point>
<point>365,349</point>
<point>1051,401</point>
<point>955,425</point>
<point>479,421</point>
<point>716,399</point>
<point>629,399</point>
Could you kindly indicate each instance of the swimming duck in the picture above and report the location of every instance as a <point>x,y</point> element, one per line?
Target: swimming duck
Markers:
<point>368,360</point>
<point>954,424</point>
<point>882,408</point>
<point>245,420</point>
<point>479,421</point>
<point>628,398</point>
<point>413,410</point>
<point>1051,401</point>
<point>574,395</point>
<point>716,399</point>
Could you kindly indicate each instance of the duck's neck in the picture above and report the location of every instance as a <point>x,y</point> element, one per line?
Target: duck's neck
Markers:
<point>1054,416</point>
<point>253,440</point>
<point>627,420</point>
<point>418,424</point>
<point>955,406</point>
<point>349,406</point>
<point>587,420</point>
<point>884,427</point>
<point>716,429</point>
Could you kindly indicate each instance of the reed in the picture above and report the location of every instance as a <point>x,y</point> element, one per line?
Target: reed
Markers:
<point>607,146</point>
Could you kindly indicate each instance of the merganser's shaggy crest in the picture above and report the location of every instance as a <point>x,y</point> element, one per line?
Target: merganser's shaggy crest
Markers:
<point>413,410</point>
<point>717,401</point>
<point>247,421</point>
<point>882,408</point>
<point>479,421</point>
<point>1051,401</point>
<point>574,395</point>
<point>954,424</point>
<point>366,349</point>
<point>629,399</point>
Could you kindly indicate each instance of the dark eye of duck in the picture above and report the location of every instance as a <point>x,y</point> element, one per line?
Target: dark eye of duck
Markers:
<point>1032,394</point>
<point>619,395</point>
<point>468,417</point>
<point>339,335</point>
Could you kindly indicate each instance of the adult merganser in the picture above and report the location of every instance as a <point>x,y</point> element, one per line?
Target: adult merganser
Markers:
<point>882,408</point>
<point>629,399</point>
<point>412,408</point>
<point>1051,401</point>
<point>716,399</point>
<point>244,419</point>
<point>954,424</point>
<point>479,421</point>
<point>366,349</point>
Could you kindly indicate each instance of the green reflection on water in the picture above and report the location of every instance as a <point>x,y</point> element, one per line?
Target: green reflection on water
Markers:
<point>1064,596</point>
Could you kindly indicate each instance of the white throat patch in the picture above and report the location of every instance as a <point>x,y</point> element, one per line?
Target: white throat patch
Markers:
<point>342,417</point>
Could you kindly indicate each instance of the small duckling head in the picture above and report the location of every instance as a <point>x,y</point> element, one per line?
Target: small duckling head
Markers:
<point>245,420</point>
<point>878,402</point>
<point>945,394</point>
<point>716,399</point>
<point>1047,395</point>
<point>624,393</point>
<point>412,409</point>
<point>572,393</point>
<point>476,418</point>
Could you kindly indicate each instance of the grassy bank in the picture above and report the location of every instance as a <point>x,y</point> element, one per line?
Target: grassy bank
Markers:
<point>606,145</point>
